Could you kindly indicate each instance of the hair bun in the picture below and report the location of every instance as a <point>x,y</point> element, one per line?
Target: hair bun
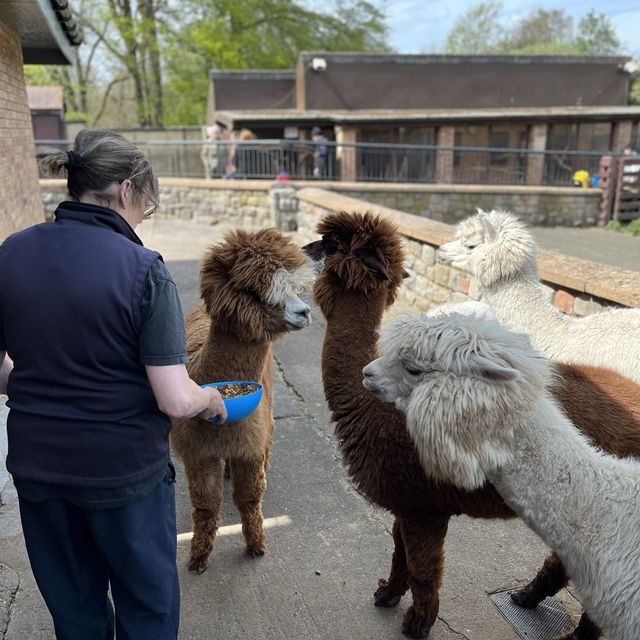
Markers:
<point>74,159</point>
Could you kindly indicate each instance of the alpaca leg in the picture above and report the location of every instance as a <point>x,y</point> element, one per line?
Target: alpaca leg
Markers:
<point>586,630</point>
<point>550,579</point>
<point>204,477</point>
<point>390,591</point>
<point>249,485</point>
<point>424,544</point>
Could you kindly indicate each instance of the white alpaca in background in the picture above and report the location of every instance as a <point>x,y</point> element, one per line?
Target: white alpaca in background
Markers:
<point>501,254</point>
<point>475,398</point>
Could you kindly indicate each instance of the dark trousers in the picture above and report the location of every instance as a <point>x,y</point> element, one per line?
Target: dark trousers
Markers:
<point>76,554</point>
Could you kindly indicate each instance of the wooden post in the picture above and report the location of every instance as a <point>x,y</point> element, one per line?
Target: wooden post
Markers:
<point>444,158</point>
<point>347,155</point>
<point>535,161</point>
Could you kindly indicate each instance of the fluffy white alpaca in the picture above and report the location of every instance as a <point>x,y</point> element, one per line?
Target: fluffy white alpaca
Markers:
<point>501,254</point>
<point>476,406</point>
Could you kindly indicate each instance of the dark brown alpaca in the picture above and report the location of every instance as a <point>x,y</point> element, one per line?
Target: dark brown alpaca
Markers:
<point>363,269</point>
<point>250,287</point>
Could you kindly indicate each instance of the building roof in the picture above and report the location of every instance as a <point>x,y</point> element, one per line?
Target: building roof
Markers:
<point>45,98</point>
<point>295,117</point>
<point>410,58</point>
<point>252,74</point>
<point>46,28</point>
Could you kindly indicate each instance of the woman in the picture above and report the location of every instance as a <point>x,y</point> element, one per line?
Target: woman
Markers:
<point>92,358</point>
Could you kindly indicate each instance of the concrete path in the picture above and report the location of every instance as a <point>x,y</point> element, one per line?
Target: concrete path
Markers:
<point>327,546</point>
<point>617,249</point>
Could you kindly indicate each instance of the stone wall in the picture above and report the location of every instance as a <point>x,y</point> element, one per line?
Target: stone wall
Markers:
<point>577,287</point>
<point>538,206</point>
<point>20,201</point>
<point>574,286</point>
<point>243,203</point>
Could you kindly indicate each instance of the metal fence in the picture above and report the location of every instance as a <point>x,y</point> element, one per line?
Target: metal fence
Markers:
<point>366,162</point>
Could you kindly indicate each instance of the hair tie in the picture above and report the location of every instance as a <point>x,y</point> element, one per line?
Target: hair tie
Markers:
<point>74,159</point>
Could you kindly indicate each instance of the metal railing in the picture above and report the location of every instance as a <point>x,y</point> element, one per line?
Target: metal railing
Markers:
<point>366,162</point>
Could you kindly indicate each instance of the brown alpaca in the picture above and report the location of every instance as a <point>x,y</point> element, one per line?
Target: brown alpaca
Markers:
<point>250,286</point>
<point>361,275</point>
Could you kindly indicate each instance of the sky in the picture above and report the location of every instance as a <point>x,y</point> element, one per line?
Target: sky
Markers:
<point>421,26</point>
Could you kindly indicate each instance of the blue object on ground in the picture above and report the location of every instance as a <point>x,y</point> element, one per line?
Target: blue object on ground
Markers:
<point>239,407</point>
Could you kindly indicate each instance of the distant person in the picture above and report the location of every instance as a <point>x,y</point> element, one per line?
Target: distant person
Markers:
<point>242,155</point>
<point>320,153</point>
<point>214,155</point>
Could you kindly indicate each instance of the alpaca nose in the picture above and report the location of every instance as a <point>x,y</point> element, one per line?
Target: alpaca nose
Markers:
<point>304,312</point>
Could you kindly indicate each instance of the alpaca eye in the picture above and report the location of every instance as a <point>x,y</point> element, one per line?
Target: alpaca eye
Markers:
<point>411,370</point>
<point>470,247</point>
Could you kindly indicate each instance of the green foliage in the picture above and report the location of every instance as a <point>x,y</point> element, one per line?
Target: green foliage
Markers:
<point>477,31</point>
<point>634,227</point>
<point>255,34</point>
<point>596,35</point>
<point>540,29</point>
<point>482,29</point>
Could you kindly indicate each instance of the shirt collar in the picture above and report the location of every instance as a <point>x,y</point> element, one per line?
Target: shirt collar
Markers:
<point>97,216</point>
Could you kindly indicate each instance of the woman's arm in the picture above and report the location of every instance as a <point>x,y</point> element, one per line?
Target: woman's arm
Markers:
<point>179,396</point>
<point>6,365</point>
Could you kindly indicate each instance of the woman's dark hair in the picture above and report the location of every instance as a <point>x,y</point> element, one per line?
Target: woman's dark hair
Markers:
<point>99,160</point>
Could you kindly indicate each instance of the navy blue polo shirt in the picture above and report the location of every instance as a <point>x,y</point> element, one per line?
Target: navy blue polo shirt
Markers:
<point>151,314</point>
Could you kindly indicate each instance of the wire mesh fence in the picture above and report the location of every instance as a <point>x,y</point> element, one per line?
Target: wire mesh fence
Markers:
<point>366,162</point>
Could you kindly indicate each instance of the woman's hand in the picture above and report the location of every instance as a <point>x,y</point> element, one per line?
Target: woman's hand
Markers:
<point>179,396</point>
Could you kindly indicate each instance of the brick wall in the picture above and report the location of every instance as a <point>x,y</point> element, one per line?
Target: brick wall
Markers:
<point>20,201</point>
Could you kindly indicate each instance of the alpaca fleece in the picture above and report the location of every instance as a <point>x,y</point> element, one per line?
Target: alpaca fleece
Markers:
<point>479,411</point>
<point>249,286</point>
<point>363,269</point>
<point>501,254</point>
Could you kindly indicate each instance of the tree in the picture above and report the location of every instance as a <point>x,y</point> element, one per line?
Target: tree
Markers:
<point>477,31</point>
<point>596,35</point>
<point>255,34</point>
<point>541,31</point>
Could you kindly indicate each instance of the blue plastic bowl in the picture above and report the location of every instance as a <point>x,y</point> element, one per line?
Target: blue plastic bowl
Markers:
<point>242,406</point>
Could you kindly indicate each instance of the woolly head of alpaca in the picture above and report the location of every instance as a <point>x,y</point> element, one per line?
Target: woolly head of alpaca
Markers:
<point>463,382</point>
<point>358,252</point>
<point>251,284</point>
<point>493,246</point>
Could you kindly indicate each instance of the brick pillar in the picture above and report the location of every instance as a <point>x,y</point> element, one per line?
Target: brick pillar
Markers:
<point>347,156</point>
<point>444,159</point>
<point>621,134</point>
<point>20,201</point>
<point>535,161</point>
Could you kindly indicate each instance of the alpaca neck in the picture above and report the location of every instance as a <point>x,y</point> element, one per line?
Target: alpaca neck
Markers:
<point>519,304</point>
<point>225,357</point>
<point>350,344</point>
<point>554,479</point>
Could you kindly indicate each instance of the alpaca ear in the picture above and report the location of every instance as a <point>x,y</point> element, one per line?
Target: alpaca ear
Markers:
<point>490,230</point>
<point>490,370</point>
<point>371,260</point>
<point>314,250</point>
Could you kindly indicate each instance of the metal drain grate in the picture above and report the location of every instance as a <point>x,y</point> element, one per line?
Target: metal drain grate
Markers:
<point>548,620</point>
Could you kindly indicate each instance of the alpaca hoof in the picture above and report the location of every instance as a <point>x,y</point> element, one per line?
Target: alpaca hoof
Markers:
<point>525,599</point>
<point>199,566</point>
<point>255,552</point>
<point>383,597</point>
<point>414,625</point>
